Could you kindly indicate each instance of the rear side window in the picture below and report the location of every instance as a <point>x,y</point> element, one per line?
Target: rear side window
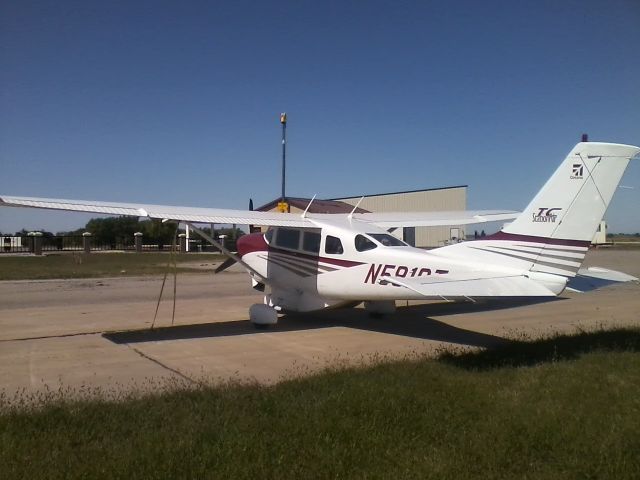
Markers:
<point>333,245</point>
<point>311,242</point>
<point>288,238</point>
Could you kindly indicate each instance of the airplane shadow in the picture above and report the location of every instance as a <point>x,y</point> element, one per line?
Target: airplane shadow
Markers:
<point>547,350</point>
<point>412,321</point>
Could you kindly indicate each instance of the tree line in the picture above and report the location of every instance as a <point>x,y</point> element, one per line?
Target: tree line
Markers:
<point>119,230</point>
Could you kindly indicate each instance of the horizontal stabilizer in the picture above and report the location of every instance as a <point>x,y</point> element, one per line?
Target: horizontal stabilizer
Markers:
<point>592,278</point>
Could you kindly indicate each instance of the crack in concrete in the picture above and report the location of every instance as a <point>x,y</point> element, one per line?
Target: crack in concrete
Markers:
<point>166,367</point>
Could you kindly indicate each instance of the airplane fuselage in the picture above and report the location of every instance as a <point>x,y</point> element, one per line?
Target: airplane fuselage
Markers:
<point>310,269</point>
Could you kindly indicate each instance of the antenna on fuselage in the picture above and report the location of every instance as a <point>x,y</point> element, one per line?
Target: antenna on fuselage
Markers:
<point>307,209</point>
<point>355,208</point>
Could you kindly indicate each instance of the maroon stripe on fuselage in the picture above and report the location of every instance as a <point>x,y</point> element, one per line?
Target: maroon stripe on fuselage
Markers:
<point>255,242</point>
<point>315,258</point>
<point>529,238</point>
<point>340,262</point>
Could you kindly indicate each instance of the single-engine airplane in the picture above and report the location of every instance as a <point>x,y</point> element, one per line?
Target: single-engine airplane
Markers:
<point>313,261</point>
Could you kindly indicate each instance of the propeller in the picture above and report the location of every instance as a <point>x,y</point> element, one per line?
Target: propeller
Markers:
<point>232,261</point>
<point>224,265</point>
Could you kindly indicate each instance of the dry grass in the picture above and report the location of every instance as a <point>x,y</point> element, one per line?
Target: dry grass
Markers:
<point>27,267</point>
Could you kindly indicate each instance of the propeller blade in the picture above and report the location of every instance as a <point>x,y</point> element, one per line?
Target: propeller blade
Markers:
<point>224,265</point>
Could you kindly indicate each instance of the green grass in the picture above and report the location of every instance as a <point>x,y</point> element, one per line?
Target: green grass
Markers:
<point>94,265</point>
<point>625,237</point>
<point>563,407</point>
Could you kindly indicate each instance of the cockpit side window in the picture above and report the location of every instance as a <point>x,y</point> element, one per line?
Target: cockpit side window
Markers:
<point>288,238</point>
<point>387,240</point>
<point>363,243</point>
<point>333,246</point>
<point>311,242</point>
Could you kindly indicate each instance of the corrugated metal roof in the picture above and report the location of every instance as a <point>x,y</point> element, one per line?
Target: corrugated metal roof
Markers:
<point>318,206</point>
<point>399,193</point>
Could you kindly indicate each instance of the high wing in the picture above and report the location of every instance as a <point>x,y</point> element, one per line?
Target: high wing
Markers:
<point>247,217</point>
<point>183,214</point>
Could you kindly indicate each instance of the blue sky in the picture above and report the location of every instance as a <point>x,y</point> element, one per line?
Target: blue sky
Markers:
<point>178,102</point>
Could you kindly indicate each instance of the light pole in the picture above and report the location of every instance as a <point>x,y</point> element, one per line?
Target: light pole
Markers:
<point>282,206</point>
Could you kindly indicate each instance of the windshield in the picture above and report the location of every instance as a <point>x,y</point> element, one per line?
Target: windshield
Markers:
<point>387,240</point>
<point>269,235</point>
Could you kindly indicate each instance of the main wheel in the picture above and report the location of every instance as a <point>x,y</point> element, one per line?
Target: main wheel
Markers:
<point>378,309</point>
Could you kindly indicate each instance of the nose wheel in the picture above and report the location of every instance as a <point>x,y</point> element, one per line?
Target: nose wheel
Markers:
<point>262,316</point>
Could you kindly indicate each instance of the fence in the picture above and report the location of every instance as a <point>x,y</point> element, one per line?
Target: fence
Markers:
<point>70,243</point>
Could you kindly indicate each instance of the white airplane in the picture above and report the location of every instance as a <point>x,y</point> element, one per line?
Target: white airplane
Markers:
<point>316,261</point>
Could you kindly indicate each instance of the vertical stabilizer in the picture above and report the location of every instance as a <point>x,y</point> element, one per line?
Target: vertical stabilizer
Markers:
<point>552,235</point>
<point>573,201</point>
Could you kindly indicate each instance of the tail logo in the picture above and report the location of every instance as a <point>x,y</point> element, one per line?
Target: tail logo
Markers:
<point>577,171</point>
<point>546,215</point>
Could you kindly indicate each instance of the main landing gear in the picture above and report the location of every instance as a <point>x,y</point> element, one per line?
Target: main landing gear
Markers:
<point>380,308</point>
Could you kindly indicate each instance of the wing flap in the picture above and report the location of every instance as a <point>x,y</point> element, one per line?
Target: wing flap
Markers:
<point>435,219</point>
<point>488,285</point>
